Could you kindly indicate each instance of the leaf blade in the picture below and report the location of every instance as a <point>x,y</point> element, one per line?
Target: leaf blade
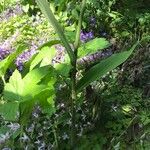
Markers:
<point>103,67</point>
<point>93,46</point>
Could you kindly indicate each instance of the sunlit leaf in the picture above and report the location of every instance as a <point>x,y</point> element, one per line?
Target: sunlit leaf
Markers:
<point>93,46</point>
<point>22,94</point>
<point>44,57</point>
<point>35,75</point>
<point>14,89</point>
<point>63,69</point>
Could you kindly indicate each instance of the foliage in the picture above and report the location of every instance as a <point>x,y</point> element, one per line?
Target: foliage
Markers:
<point>48,101</point>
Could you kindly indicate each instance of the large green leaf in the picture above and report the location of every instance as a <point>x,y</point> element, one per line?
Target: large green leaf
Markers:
<point>103,67</point>
<point>19,89</point>
<point>31,91</point>
<point>44,56</point>
<point>14,89</point>
<point>92,46</point>
<point>34,81</point>
<point>23,93</point>
<point>35,75</point>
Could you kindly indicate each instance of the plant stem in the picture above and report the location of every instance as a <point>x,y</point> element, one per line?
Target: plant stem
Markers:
<point>44,5</point>
<point>76,44</point>
<point>73,76</point>
<point>55,135</point>
<point>73,104</point>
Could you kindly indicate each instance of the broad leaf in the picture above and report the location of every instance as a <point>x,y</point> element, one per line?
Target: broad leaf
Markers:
<point>103,67</point>
<point>63,69</point>
<point>92,46</point>
<point>25,110</point>
<point>32,90</point>
<point>14,89</point>
<point>70,35</point>
<point>22,94</point>
<point>34,76</point>
<point>46,101</point>
<point>9,111</point>
<point>44,56</point>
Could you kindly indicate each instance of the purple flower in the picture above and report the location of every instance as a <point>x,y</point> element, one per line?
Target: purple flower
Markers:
<point>24,57</point>
<point>90,35</point>
<point>3,53</point>
<point>85,36</point>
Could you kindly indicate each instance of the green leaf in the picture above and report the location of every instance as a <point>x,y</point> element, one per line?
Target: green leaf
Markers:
<point>103,67</point>
<point>4,130</point>
<point>14,89</point>
<point>46,101</point>
<point>35,75</point>
<point>46,96</point>
<point>9,111</point>
<point>25,109</point>
<point>45,56</point>
<point>92,46</point>
<point>24,93</point>
<point>49,44</point>
<point>75,14</point>
<point>63,69</point>
<point>70,35</point>
<point>32,90</point>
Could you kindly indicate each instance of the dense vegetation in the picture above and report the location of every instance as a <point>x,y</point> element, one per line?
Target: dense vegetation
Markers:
<point>74,74</point>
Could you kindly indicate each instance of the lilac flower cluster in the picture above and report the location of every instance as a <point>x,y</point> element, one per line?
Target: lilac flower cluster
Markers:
<point>93,58</point>
<point>25,56</point>
<point>85,36</point>
<point>3,53</point>
<point>6,47</point>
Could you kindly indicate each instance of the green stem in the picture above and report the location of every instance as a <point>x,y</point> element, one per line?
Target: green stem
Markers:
<point>76,44</point>
<point>44,5</point>
<point>55,135</point>
<point>73,77</point>
<point>73,104</point>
